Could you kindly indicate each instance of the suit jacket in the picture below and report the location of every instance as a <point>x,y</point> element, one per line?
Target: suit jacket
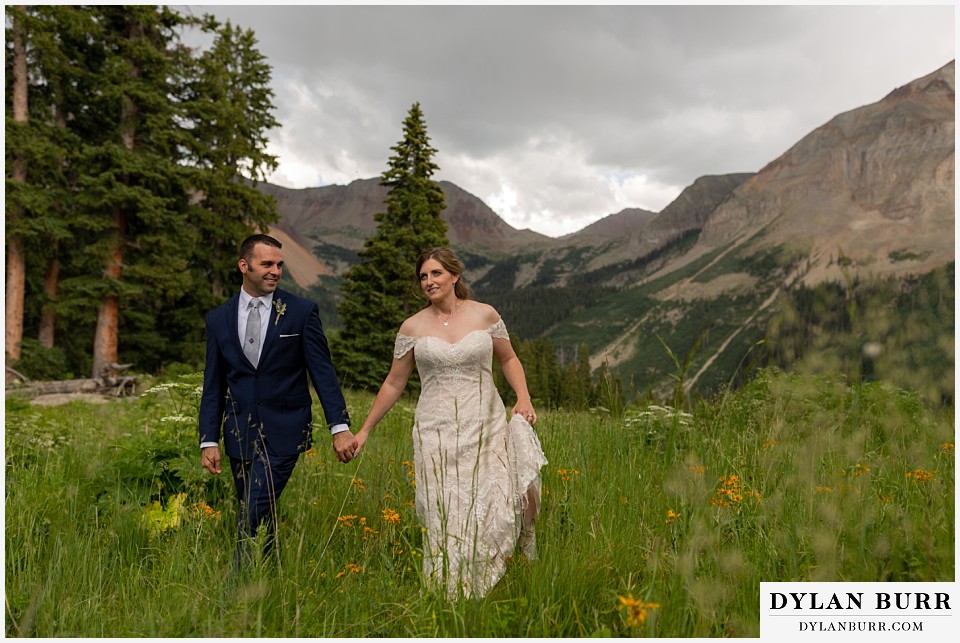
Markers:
<point>272,397</point>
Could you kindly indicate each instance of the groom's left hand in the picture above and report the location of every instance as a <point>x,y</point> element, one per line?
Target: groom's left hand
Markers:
<point>345,446</point>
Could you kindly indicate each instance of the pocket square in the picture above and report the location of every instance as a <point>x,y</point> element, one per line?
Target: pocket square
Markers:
<point>293,335</point>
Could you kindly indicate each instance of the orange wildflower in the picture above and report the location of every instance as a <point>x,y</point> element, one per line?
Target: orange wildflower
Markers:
<point>636,610</point>
<point>921,475</point>
<point>567,474</point>
<point>731,492</point>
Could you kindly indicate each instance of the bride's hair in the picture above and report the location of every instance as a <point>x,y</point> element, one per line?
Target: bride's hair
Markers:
<point>451,263</point>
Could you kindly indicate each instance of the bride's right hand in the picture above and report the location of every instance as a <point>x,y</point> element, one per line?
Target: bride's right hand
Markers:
<point>361,438</point>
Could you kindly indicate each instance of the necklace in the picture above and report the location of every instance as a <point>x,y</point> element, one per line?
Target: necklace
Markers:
<point>446,322</point>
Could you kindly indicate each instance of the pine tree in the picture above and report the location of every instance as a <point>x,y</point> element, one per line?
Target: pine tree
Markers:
<point>142,160</point>
<point>230,110</point>
<point>577,389</point>
<point>59,43</point>
<point>37,139</point>
<point>380,292</point>
<point>133,184</point>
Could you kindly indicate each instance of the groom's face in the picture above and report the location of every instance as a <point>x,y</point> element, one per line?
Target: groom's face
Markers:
<point>262,272</point>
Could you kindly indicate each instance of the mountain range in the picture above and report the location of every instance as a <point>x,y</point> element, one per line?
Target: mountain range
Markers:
<point>867,195</point>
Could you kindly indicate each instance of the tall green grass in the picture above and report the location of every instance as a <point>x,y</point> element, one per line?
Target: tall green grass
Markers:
<point>789,479</point>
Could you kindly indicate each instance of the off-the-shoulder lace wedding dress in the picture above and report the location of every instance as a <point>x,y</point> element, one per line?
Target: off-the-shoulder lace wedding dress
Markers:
<point>477,476</point>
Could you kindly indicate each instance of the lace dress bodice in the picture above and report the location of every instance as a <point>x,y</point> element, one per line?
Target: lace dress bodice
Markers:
<point>455,376</point>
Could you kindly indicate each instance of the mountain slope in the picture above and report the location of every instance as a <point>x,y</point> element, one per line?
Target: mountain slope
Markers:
<point>869,194</point>
<point>875,184</point>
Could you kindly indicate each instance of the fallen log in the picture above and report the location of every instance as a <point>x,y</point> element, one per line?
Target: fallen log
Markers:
<point>112,382</point>
<point>116,386</point>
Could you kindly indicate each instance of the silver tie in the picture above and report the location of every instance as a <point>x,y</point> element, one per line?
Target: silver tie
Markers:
<point>251,341</point>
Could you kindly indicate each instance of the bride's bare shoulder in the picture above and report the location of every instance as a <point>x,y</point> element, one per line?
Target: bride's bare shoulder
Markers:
<point>413,326</point>
<point>485,312</point>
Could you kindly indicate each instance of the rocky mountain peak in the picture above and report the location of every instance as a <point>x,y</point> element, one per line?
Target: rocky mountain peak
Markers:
<point>874,184</point>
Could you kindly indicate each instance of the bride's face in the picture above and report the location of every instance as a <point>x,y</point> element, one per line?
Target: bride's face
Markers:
<point>436,281</point>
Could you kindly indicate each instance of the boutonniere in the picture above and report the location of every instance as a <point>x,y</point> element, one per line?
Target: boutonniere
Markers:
<point>281,308</point>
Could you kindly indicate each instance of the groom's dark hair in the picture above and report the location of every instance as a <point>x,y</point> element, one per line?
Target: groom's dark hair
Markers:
<point>246,248</point>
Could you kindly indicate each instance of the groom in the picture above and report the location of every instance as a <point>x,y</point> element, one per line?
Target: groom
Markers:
<point>261,344</point>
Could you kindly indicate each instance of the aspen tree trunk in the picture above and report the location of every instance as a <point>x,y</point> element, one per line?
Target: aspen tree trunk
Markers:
<point>16,262</point>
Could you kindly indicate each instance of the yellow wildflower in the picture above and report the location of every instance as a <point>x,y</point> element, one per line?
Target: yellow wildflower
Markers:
<point>411,472</point>
<point>921,475</point>
<point>697,469</point>
<point>359,484</point>
<point>731,492</point>
<point>391,516</point>
<point>350,569</point>
<point>346,521</point>
<point>567,474</point>
<point>672,516</point>
<point>822,489</point>
<point>947,447</point>
<point>636,610</point>
<point>860,469</point>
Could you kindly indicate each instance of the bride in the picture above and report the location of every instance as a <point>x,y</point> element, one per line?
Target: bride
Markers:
<point>477,476</point>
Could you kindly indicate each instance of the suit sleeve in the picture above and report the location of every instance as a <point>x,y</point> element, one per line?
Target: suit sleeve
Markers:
<point>322,373</point>
<point>213,398</point>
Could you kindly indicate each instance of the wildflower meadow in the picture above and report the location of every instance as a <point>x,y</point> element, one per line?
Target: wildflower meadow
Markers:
<point>657,521</point>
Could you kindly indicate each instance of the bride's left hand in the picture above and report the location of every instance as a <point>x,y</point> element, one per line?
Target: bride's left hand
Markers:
<point>526,410</point>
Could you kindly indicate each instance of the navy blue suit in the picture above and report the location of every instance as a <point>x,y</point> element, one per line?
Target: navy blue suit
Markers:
<point>265,411</point>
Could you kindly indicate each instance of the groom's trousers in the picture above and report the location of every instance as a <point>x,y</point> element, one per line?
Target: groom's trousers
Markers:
<point>259,482</point>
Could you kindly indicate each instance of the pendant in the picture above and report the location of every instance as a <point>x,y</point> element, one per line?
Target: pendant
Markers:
<point>446,323</point>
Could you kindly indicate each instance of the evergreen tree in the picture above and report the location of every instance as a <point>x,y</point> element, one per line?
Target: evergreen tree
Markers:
<point>228,111</point>
<point>142,158</point>
<point>577,387</point>
<point>381,291</point>
<point>132,186</point>
<point>58,50</point>
<point>41,80</point>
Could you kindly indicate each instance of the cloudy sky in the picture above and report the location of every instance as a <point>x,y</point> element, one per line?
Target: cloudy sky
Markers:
<point>557,116</point>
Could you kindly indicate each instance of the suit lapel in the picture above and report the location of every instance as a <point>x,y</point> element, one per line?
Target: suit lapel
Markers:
<point>273,324</point>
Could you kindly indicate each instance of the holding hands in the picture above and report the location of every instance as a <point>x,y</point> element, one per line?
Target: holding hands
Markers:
<point>345,446</point>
